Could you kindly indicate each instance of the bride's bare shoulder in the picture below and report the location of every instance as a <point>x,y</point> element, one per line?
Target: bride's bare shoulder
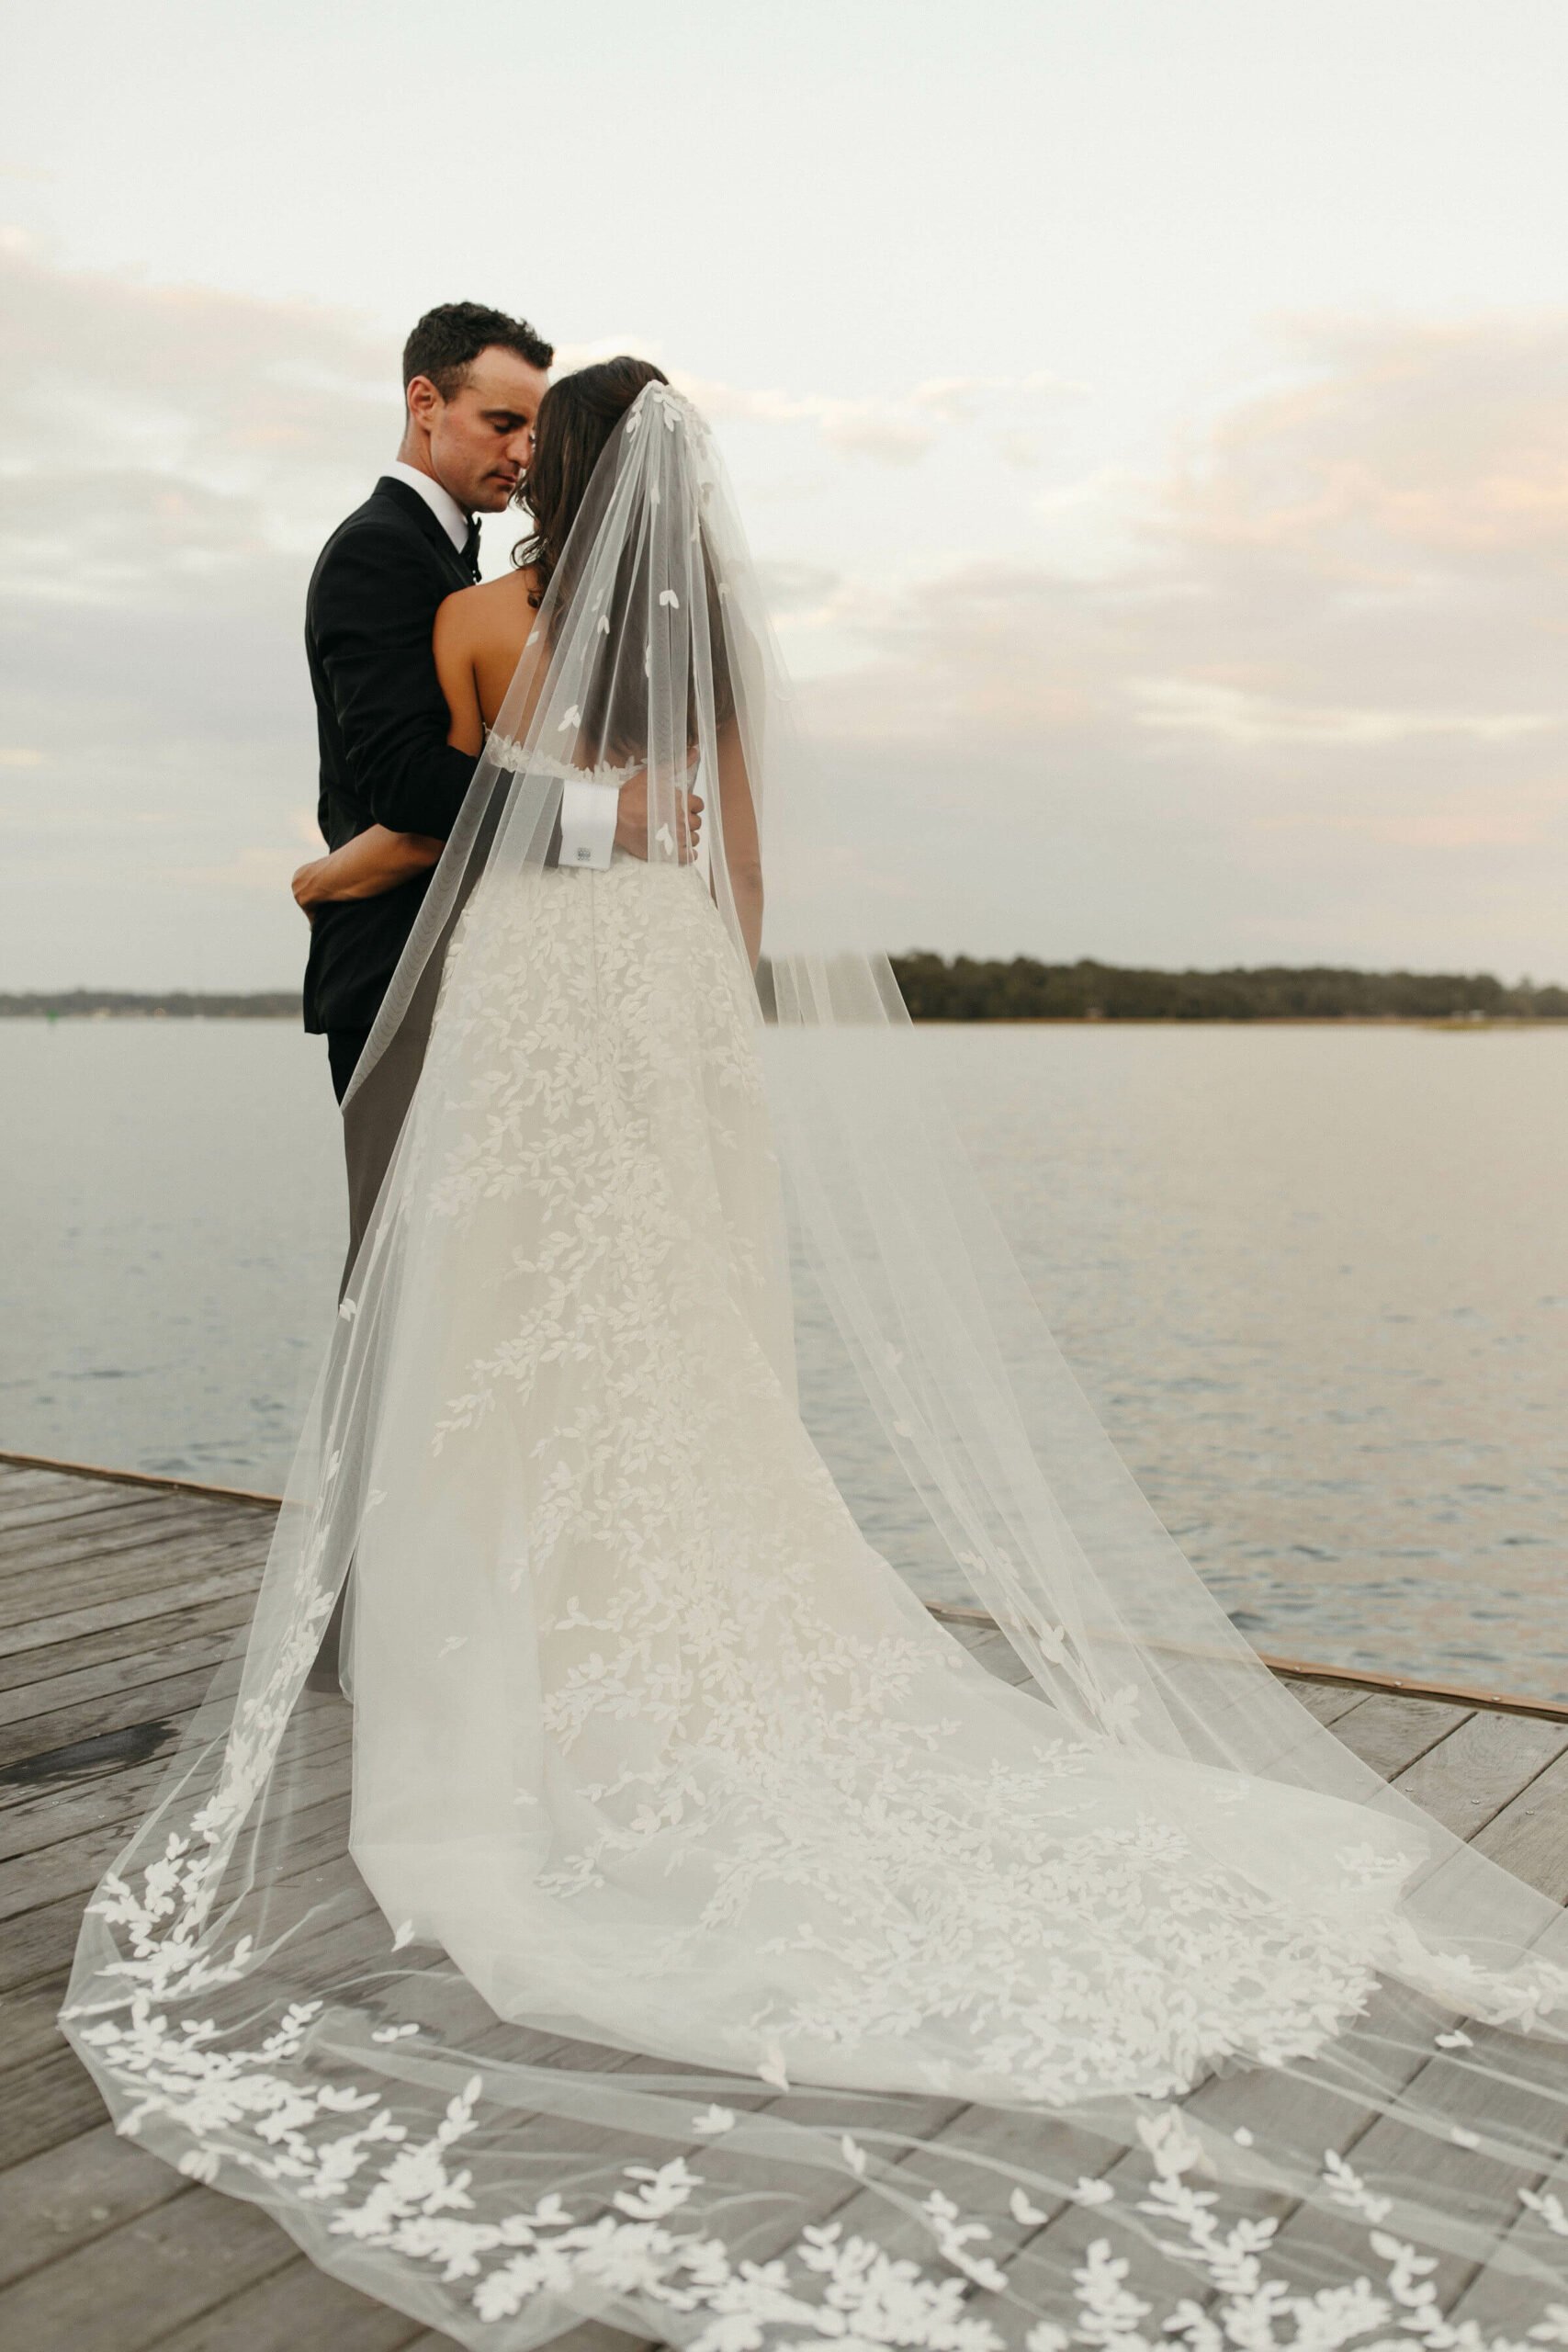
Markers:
<point>496,611</point>
<point>481,635</point>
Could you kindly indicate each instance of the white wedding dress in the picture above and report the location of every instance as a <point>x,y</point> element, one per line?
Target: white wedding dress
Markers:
<point>676,1886</point>
<point>613,1618</point>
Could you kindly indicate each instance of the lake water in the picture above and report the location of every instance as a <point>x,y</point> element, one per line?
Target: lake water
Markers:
<point>1314,1279</point>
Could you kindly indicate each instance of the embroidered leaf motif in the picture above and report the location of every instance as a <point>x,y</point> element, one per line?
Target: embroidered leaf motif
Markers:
<point>1550,2208</point>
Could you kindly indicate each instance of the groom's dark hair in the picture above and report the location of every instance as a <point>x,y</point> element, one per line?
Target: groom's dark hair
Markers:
<point>447,341</point>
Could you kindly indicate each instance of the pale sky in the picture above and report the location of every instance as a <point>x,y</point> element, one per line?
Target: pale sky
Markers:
<point>1153,417</point>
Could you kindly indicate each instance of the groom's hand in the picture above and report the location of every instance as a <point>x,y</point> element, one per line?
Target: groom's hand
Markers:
<point>631,818</point>
<point>304,887</point>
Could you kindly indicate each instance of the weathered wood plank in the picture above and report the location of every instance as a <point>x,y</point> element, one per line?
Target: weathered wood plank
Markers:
<point>88,1763</point>
<point>73,2193</point>
<point>115,1803</point>
<point>128,1614</point>
<point>87,1583</point>
<point>1483,1766</point>
<point>31,1496</point>
<point>1391,1735</point>
<point>18,1477</point>
<point>225,1612</point>
<point>148,1701</point>
<point>74,1865</point>
<point>89,1474</point>
<point>40,1937</point>
<point>39,1585</point>
<point>123,1530</point>
<point>126,2289</point>
<point>29,2028</point>
<point>1530,1836</point>
<point>36,1516</point>
<point>1329,1701</point>
<point>1504,2305</point>
<point>50,1566</point>
<point>50,2100</point>
<point>39,1942</point>
<point>17,1483</point>
<point>114,1677</point>
<point>300,2309</point>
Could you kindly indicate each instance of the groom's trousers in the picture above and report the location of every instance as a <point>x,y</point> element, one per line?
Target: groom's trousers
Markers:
<point>344,1049</point>
<point>373,1120</point>
<point>371,1127</point>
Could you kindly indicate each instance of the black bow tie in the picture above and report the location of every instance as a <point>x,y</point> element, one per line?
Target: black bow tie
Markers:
<point>471,546</point>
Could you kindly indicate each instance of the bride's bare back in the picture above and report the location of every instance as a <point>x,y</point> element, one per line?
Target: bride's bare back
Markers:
<point>482,634</point>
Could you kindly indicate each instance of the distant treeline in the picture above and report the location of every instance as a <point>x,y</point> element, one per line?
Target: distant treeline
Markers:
<point>177,1004</point>
<point>960,988</point>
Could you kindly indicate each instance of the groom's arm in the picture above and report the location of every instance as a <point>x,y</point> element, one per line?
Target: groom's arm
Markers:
<point>371,616</point>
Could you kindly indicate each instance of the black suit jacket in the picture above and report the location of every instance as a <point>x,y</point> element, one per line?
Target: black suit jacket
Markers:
<point>381,722</point>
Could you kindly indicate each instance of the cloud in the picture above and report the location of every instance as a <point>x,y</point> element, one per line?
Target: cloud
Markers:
<point>154,433</point>
<point>1317,696</point>
<point>1300,691</point>
<point>1234,716</point>
<point>897,431</point>
<point>1406,448</point>
<point>798,591</point>
<point>173,456</point>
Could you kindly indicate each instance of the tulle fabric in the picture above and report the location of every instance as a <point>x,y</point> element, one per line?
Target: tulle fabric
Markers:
<point>680,1929</point>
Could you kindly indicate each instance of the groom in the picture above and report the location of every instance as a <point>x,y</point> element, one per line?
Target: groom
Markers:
<point>473,379</point>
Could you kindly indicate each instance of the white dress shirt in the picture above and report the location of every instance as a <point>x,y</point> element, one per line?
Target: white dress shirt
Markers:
<point>588,812</point>
<point>441,502</point>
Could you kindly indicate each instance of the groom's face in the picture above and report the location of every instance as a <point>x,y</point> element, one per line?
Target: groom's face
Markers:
<point>481,439</point>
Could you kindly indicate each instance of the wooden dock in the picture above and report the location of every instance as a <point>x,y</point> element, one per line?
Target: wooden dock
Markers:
<point>117,1597</point>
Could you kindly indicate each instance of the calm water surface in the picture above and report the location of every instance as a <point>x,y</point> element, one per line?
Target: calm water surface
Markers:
<point>1314,1279</point>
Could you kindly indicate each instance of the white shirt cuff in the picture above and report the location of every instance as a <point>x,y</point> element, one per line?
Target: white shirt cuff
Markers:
<point>588,814</point>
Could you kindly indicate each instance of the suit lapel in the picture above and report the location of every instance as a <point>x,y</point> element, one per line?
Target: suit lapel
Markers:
<point>412,508</point>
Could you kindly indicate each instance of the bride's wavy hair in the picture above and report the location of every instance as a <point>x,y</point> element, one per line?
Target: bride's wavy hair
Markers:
<point>576,418</point>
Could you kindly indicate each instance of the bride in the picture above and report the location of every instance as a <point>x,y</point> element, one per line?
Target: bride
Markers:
<point>682,1928</point>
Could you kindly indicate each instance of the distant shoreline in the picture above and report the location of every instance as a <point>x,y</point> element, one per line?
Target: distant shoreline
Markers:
<point>95,1004</point>
<point>1471,1025</point>
<point>962,990</point>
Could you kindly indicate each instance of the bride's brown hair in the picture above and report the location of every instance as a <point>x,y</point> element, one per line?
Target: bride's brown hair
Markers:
<point>576,418</point>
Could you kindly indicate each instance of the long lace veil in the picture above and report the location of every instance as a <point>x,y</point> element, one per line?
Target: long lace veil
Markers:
<point>255,2013</point>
